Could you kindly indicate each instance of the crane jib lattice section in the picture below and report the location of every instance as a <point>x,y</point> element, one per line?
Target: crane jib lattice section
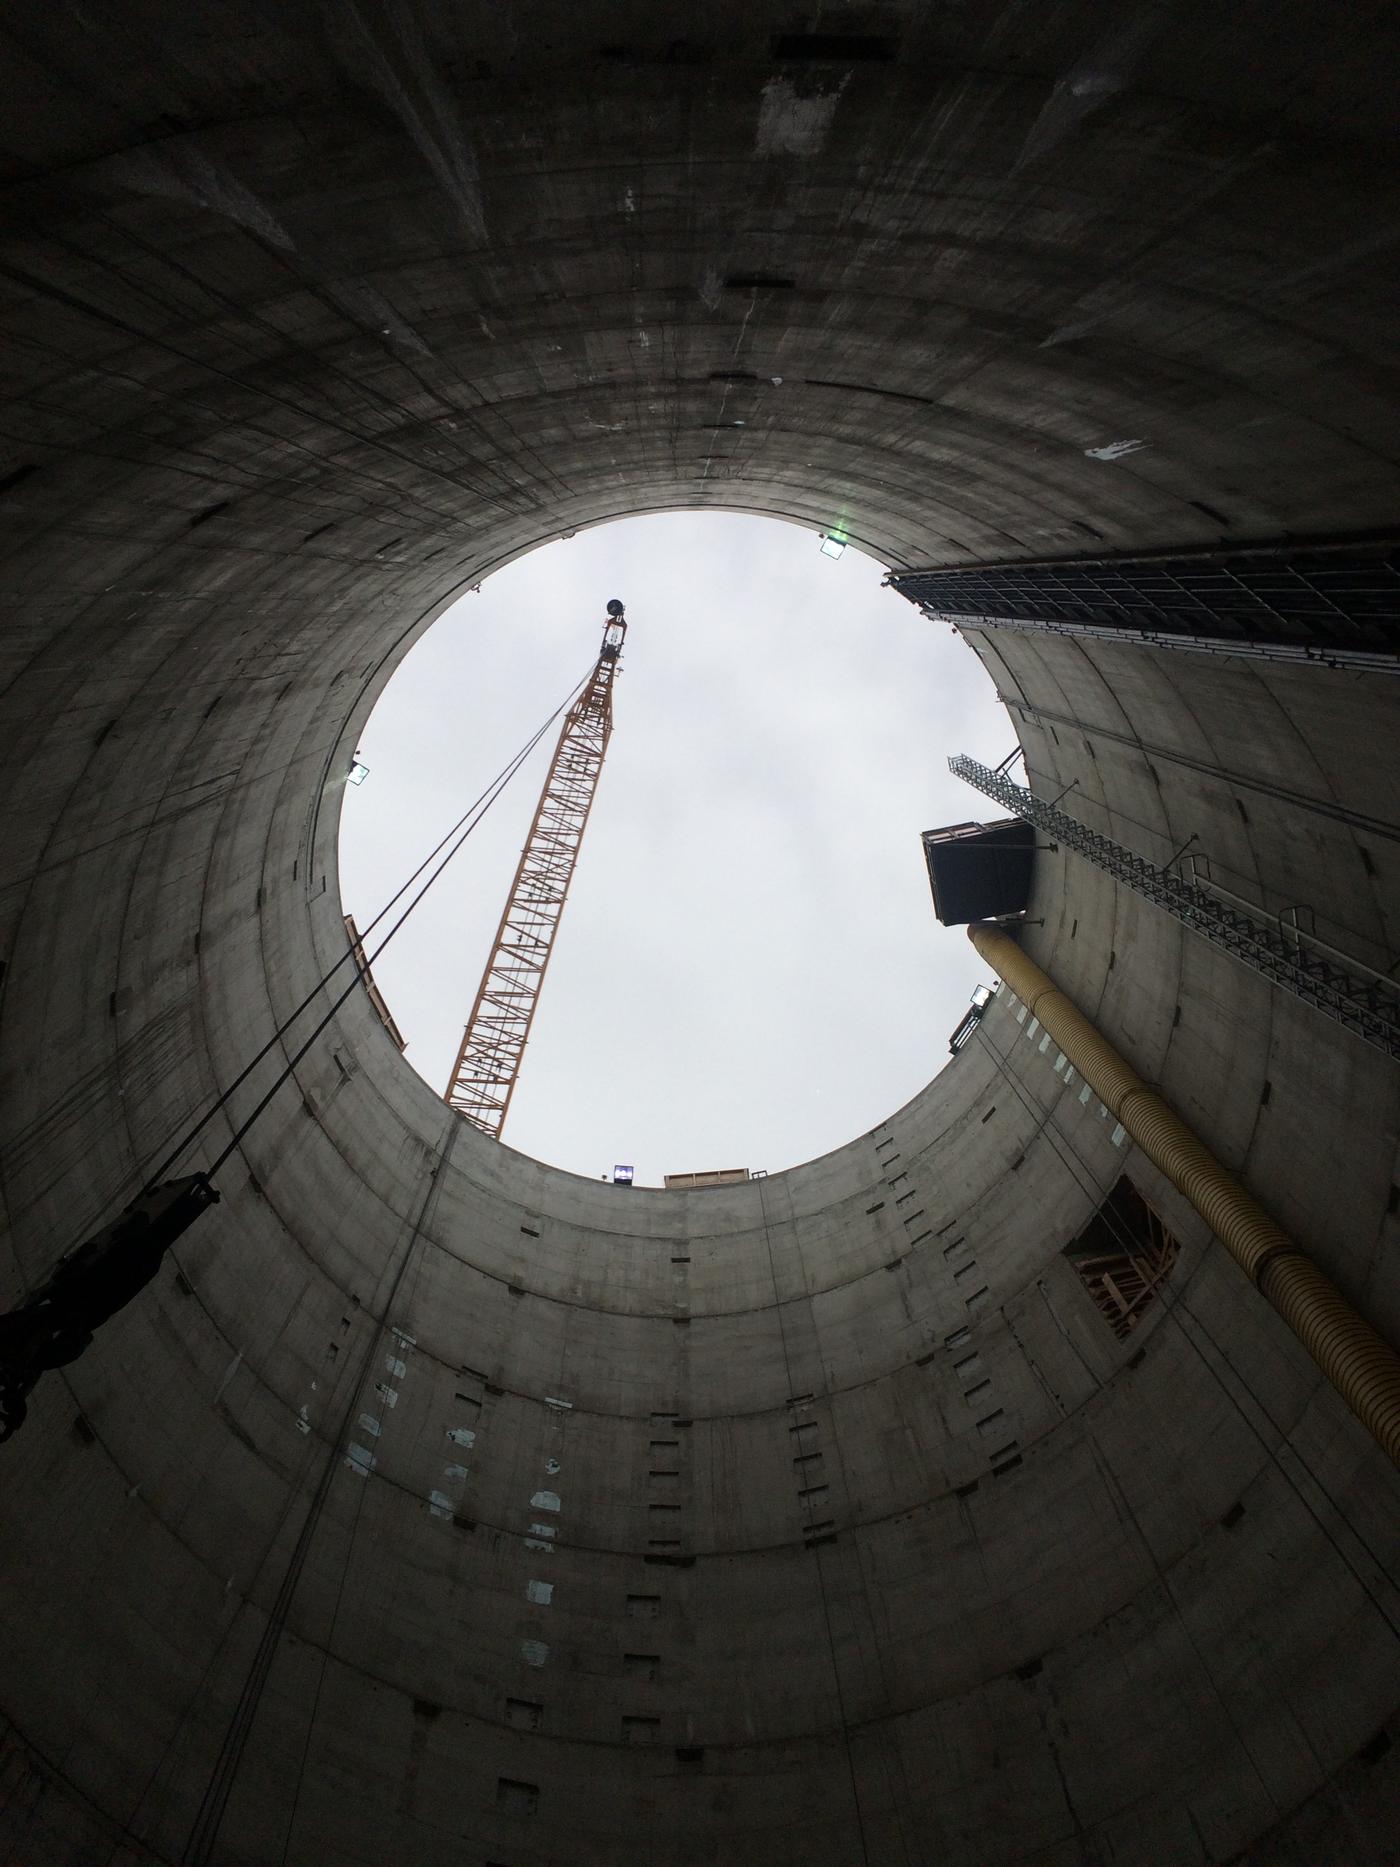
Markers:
<point>488,1063</point>
<point>1365,1002</point>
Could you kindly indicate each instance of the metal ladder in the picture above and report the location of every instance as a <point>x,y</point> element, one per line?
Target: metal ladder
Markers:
<point>1355,996</point>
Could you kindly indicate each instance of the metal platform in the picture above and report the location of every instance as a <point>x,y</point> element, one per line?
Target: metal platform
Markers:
<point>1337,605</point>
<point>1363,1000</point>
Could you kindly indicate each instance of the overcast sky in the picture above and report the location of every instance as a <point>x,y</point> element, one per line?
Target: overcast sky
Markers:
<point>748,971</point>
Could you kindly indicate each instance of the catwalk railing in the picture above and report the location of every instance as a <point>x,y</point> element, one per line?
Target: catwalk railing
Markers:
<point>1366,1002</point>
<point>1334,605</point>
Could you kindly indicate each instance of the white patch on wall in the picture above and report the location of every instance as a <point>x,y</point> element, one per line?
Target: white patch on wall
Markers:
<point>461,1435</point>
<point>564,1406</point>
<point>304,1420</point>
<point>440,1505</point>
<point>360,1460</point>
<point>389,1395</point>
<point>368,1424</point>
<point>1118,1135</point>
<point>551,1466</point>
<point>545,1549</point>
<point>543,1529</point>
<point>534,1652</point>
<point>1113,450</point>
<point>629,203</point>
<point>455,1472</point>
<point>396,1367</point>
<point>790,124</point>
<point>540,1592</point>
<point>404,1339</point>
<point>545,1500</point>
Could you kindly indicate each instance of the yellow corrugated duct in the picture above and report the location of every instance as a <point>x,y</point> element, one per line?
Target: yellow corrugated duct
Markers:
<point>1364,1369</point>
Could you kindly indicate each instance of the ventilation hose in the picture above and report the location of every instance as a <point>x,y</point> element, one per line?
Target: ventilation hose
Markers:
<point>1362,1367</point>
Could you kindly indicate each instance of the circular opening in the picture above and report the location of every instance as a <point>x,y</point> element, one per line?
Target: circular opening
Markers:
<point>748,971</point>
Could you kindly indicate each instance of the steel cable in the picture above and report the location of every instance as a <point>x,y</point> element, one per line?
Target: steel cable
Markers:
<point>460,830</point>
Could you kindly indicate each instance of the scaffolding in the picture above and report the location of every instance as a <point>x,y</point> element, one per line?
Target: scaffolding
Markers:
<point>1363,1000</point>
<point>493,1045</point>
<point>1123,1256</point>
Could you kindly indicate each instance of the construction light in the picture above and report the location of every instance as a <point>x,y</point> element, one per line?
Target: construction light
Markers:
<point>358,773</point>
<point>832,547</point>
<point>622,1176</point>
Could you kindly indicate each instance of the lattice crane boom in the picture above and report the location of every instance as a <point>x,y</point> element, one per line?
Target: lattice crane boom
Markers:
<point>493,1045</point>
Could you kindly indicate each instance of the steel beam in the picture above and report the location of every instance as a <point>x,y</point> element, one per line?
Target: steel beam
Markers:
<point>1336,605</point>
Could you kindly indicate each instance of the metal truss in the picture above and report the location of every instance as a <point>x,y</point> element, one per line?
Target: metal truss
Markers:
<point>1364,1001</point>
<point>1332,605</point>
<point>488,1064</point>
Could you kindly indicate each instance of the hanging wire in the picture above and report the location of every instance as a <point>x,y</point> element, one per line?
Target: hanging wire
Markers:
<point>841,1711</point>
<point>208,1819</point>
<point>383,1416</point>
<point>460,830</point>
<point>204,1833</point>
<point>1174,1304</point>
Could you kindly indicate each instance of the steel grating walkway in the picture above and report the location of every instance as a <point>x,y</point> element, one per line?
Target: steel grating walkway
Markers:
<point>1335,605</point>
<point>1364,1001</point>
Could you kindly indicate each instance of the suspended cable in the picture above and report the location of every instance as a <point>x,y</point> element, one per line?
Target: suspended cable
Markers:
<point>1174,1305</point>
<point>382,1413</point>
<point>841,1710</point>
<point>488,1063</point>
<point>361,968</point>
<point>461,830</point>
<point>209,1816</point>
<point>107,1270</point>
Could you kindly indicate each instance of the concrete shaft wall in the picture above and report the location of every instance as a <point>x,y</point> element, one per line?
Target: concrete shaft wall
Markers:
<point>817,1520</point>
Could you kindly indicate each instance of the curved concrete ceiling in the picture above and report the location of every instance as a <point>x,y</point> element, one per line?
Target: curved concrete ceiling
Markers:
<point>440,1505</point>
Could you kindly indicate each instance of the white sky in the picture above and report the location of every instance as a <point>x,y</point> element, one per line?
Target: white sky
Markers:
<point>748,971</point>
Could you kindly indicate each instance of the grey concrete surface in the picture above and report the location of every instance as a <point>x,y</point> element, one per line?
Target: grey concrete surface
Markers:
<point>315,315</point>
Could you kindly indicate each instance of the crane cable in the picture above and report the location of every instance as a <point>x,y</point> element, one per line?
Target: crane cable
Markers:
<point>204,1833</point>
<point>219,1787</point>
<point>460,831</point>
<point>842,1712</point>
<point>103,1273</point>
<point>208,1820</point>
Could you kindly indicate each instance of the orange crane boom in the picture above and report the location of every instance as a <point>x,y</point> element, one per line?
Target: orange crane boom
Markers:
<point>493,1045</point>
